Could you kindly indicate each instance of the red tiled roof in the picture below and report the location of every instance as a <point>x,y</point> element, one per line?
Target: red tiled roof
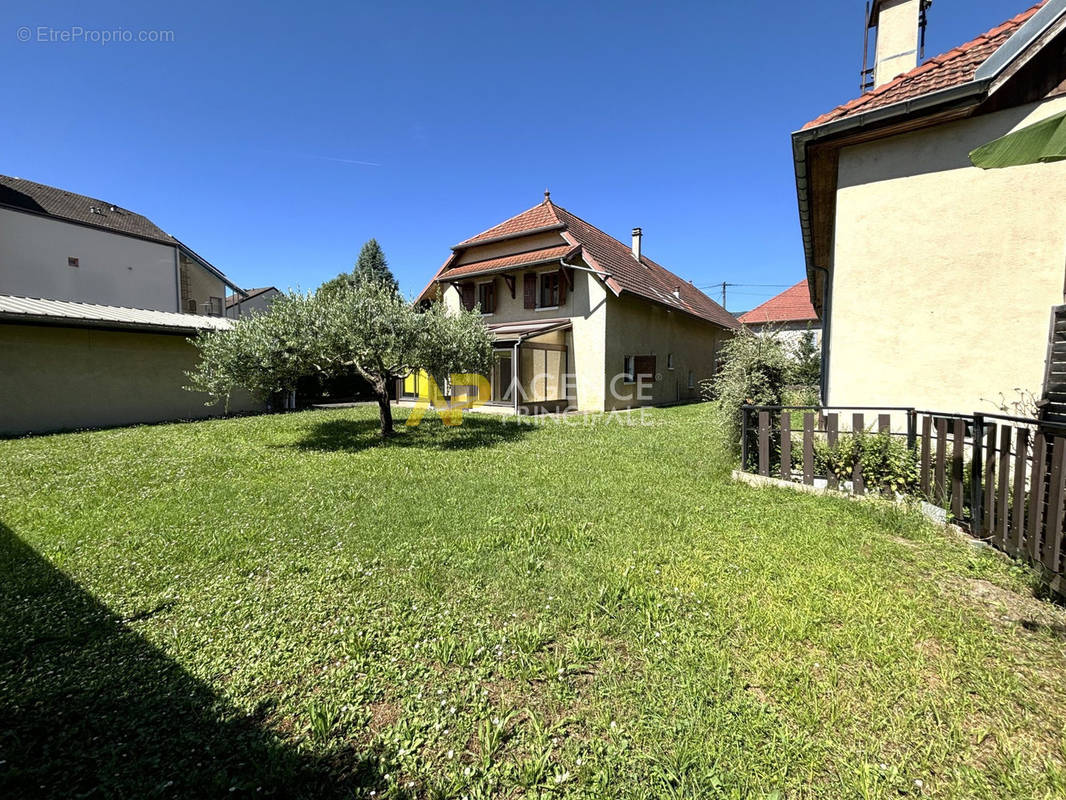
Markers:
<point>518,260</point>
<point>613,260</point>
<point>792,305</point>
<point>540,216</point>
<point>953,68</point>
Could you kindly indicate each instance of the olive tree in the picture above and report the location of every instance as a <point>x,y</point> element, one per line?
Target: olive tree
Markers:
<point>367,326</point>
<point>263,353</point>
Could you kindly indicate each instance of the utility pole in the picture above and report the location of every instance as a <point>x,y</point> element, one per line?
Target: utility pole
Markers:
<point>724,284</point>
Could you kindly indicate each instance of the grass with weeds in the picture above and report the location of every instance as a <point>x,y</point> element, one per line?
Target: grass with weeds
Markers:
<point>286,605</point>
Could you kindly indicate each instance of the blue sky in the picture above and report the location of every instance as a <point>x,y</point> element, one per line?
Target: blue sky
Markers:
<point>276,138</point>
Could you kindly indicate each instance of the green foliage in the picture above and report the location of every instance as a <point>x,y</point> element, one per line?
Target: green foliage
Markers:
<point>367,327</point>
<point>263,353</point>
<point>806,366</point>
<point>371,265</point>
<point>886,460</point>
<point>753,371</point>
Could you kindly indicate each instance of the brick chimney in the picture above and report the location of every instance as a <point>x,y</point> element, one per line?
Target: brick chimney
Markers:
<point>900,28</point>
<point>637,235</point>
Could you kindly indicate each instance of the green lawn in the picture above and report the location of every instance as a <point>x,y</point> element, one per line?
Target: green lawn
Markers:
<point>284,605</point>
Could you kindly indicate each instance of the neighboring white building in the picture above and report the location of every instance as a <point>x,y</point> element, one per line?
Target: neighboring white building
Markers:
<point>96,304</point>
<point>251,301</point>
<point>790,314</point>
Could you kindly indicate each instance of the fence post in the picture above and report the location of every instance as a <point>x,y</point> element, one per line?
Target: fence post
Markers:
<point>858,428</point>
<point>744,438</point>
<point>958,449</point>
<point>764,443</point>
<point>976,478</point>
<point>912,428</point>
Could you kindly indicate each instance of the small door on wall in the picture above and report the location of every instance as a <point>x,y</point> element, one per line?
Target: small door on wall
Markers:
<point>502,378</point>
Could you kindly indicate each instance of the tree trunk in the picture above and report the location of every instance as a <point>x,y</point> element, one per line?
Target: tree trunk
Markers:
<point>384,408</point>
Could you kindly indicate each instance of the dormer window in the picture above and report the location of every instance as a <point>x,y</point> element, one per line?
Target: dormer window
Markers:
<point>72,261</point>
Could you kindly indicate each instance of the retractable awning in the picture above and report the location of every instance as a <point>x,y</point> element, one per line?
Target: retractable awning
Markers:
<point>1042,142</point>
<point>519,331</point>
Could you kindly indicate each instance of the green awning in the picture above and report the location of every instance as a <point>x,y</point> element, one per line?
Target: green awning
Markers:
<point>1040,143</point>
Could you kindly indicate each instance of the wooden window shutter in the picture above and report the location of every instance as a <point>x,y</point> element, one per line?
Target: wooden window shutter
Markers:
<point>468,296</point>
<point>644,367</point>
<point>529,288</point>
<point>562,286</point>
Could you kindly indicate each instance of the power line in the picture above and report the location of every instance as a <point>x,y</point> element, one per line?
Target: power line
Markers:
<point>725,285</point>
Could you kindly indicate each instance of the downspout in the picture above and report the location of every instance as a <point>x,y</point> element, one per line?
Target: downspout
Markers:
<point>514,375</point>
<point>827,317</point>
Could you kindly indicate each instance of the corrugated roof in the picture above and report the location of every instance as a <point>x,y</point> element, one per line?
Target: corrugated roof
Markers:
<point>792,305</point>
<point>953,68</point>
<point>32,309</point>
<point>612,259</point>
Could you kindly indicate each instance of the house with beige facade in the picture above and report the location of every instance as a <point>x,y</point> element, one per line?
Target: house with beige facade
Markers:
<point>936,279</point>
<point>581,321</point>
<point>96,307</point>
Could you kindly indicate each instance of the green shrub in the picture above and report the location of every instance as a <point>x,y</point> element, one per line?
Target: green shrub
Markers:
<point>752,372</point>
<point>886,460</point>
<point>806,366</point>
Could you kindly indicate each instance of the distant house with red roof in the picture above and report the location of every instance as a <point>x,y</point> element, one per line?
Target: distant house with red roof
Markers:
<point>790,314</point>
<point>936,280</point>
<point>581,321</point>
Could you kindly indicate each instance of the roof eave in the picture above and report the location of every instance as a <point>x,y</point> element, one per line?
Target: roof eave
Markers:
<point>954,98</point>
<point>208,266</point>
<point>558,226</point>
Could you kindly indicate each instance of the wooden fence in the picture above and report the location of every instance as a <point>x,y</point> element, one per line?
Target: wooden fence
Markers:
<point>1002,478</point>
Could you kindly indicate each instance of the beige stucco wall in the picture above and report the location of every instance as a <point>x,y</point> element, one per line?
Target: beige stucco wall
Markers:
<point>944,274</point>
<point>113,269</point>
<point>639,328</point>
<point>584,306</point>
<point>61,378</point>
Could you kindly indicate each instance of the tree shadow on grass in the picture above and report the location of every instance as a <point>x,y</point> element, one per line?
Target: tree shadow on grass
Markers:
<point>88,707</point>
<point>361,434</point>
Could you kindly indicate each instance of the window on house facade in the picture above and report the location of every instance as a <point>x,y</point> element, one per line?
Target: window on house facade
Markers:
<point>486,297</point>
<point>549,289</point>
<point>628,370</point>
<point>72,261</point>
<point>691,380</point>
<point>669,360</point>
